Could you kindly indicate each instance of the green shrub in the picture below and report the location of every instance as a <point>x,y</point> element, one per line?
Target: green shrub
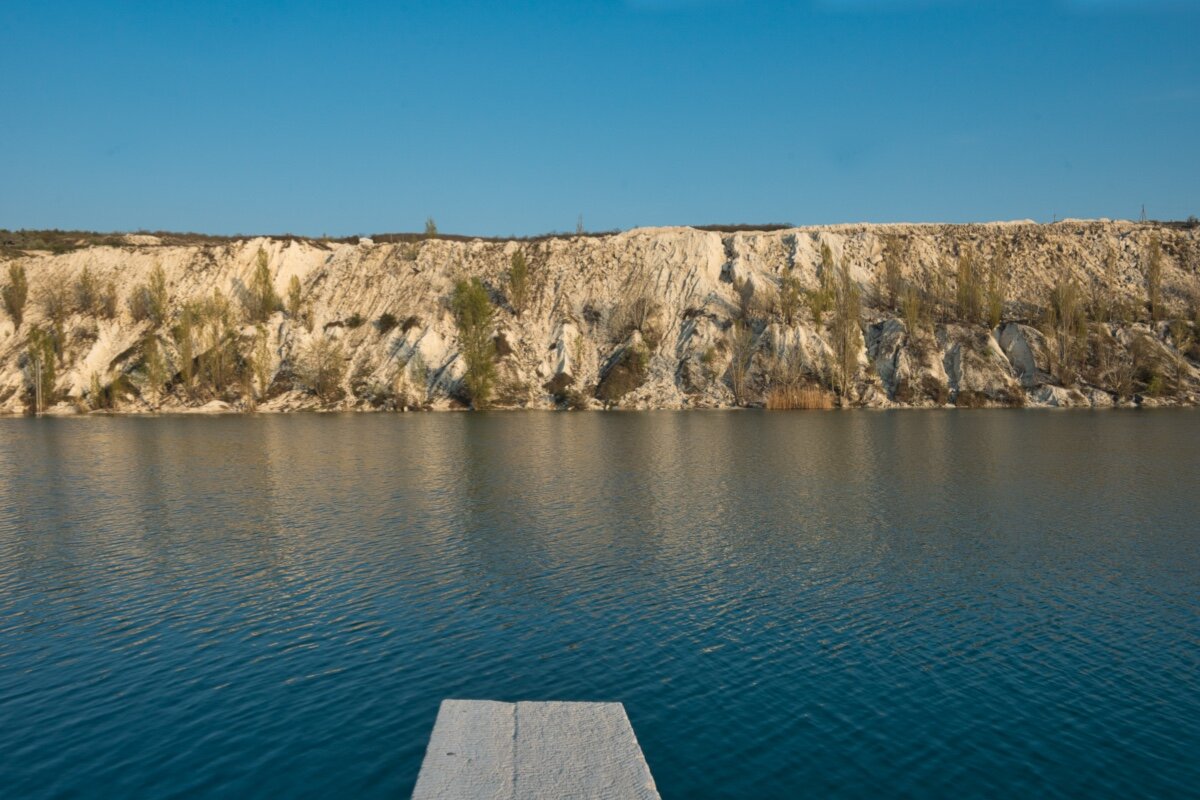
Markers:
<point>56,305</point>
<point>16,293</point>
<point>294,297</point>
<point>150,300</point>
<point>321,368</point>
<point>473,314</point>
<point>846,330</point>
<point>41,358</point>
<point>154,367</point>
<point>184,334</point>
<point>355,320</point>
<point>386,322</point>
<point>157,292</point>
<point>106,303</point>
<point>262,301</point>
<point>220,360</point>
<point>139,304</point>
<point>261,362</point>
<point>104,395</point>
<point>819,302</point>
<point>518,283</point>
<point>87,292</point>
<point>625,374</point>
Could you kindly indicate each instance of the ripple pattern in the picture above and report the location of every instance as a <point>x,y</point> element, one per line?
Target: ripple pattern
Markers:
<point>836,604</point>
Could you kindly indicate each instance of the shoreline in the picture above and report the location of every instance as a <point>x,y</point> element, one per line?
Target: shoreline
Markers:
<point>1132,407</point>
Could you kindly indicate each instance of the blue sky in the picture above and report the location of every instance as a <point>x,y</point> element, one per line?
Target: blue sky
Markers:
<point>517,117</point>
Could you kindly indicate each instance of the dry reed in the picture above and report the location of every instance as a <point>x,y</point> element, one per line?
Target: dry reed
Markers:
<point>783,398</point>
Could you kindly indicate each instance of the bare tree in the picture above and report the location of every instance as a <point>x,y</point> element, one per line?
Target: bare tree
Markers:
<point>741,348</point>
<point>996,292</point>
<point>914,310</point>
<point>1154,278</point>
<point>789,297</point>
<point>1066,329</point>
<point>968,290</point>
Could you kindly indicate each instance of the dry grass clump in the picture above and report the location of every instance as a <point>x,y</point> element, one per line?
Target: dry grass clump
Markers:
<point>787,398</point>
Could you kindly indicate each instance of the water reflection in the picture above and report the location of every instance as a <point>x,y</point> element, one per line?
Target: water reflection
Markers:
<point>842,604</point>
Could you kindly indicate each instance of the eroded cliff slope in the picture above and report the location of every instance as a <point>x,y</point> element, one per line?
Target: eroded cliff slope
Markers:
<point>1081,313</point>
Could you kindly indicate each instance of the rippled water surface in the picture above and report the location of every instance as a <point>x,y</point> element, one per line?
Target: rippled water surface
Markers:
<point>958,604</point>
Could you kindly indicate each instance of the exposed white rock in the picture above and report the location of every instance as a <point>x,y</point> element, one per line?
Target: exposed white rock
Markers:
<point>1025,348</point>
<point>1058,397</point>
<point>578,319</point>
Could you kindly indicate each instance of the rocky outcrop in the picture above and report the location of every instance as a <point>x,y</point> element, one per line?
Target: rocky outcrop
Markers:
<point>649,318</point>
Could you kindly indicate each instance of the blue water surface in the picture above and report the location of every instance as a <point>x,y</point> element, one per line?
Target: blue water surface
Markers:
<point>828,604</point>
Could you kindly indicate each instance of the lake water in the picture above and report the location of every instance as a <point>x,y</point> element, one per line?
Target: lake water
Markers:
<point>838,604</point>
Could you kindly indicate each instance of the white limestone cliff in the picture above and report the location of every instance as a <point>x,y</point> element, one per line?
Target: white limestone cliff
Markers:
<point>577,325</point>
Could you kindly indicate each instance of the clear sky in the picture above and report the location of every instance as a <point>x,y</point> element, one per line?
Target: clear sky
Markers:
<point>518,116</point>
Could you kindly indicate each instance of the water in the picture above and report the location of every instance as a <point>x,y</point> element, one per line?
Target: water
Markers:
<point>943,604</point>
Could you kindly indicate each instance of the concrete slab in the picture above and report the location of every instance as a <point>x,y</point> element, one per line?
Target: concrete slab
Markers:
<point>533,750</point>
<point>470,752</point>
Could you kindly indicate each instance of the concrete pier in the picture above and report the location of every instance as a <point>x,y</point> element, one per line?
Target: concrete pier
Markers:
<point>527,751</point>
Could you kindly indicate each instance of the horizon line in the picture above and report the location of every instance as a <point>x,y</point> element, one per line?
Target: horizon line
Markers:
<point>767,227</point>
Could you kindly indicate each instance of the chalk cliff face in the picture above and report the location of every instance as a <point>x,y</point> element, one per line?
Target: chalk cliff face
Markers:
<point>650,318</point>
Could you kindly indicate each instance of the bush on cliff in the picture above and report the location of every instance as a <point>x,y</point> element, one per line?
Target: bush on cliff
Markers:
<point>149,301</point>
<point>846,331</point>
<point>625,373</point>
<point>321,367</point>
<point>386,322</point>
<point>16,293</point>
<point>40,360</point>
<point>94,297</point>
<point>518,283</point>
<point>262,301</point>
<point>473,314</point>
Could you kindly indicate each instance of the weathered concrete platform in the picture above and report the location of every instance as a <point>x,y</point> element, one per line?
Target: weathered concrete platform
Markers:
<point>529,751</point>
